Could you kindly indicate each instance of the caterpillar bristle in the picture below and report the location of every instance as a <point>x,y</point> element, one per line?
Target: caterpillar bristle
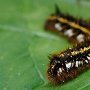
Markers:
<point>58,12</point>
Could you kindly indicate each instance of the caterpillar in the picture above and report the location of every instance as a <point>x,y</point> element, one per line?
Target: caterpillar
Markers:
<point>68,64</point>
<point>76,30</point>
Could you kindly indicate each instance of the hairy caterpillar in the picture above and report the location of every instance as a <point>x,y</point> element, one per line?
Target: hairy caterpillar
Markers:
<point>70,63</point>
<point>76,30</point>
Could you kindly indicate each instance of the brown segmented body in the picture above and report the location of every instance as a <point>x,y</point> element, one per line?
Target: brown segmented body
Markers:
<point>76,30</point>
<point>69,64</point>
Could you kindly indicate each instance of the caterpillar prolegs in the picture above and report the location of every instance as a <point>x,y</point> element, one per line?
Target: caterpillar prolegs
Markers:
<point>70,63</point>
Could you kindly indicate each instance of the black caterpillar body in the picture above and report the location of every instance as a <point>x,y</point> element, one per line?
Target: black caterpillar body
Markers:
<point>70,63</point>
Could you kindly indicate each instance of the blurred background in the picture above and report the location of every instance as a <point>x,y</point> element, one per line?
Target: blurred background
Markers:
<point>25,45</point>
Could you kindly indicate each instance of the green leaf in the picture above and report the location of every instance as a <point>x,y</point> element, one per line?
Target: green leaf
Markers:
<point>25,45</point>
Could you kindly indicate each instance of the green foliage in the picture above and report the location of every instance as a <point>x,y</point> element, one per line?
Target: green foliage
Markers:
<point>25,45</point>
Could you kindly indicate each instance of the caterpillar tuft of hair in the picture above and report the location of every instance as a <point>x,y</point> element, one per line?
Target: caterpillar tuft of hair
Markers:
<point>70,63</point>
<point>76,30</point>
